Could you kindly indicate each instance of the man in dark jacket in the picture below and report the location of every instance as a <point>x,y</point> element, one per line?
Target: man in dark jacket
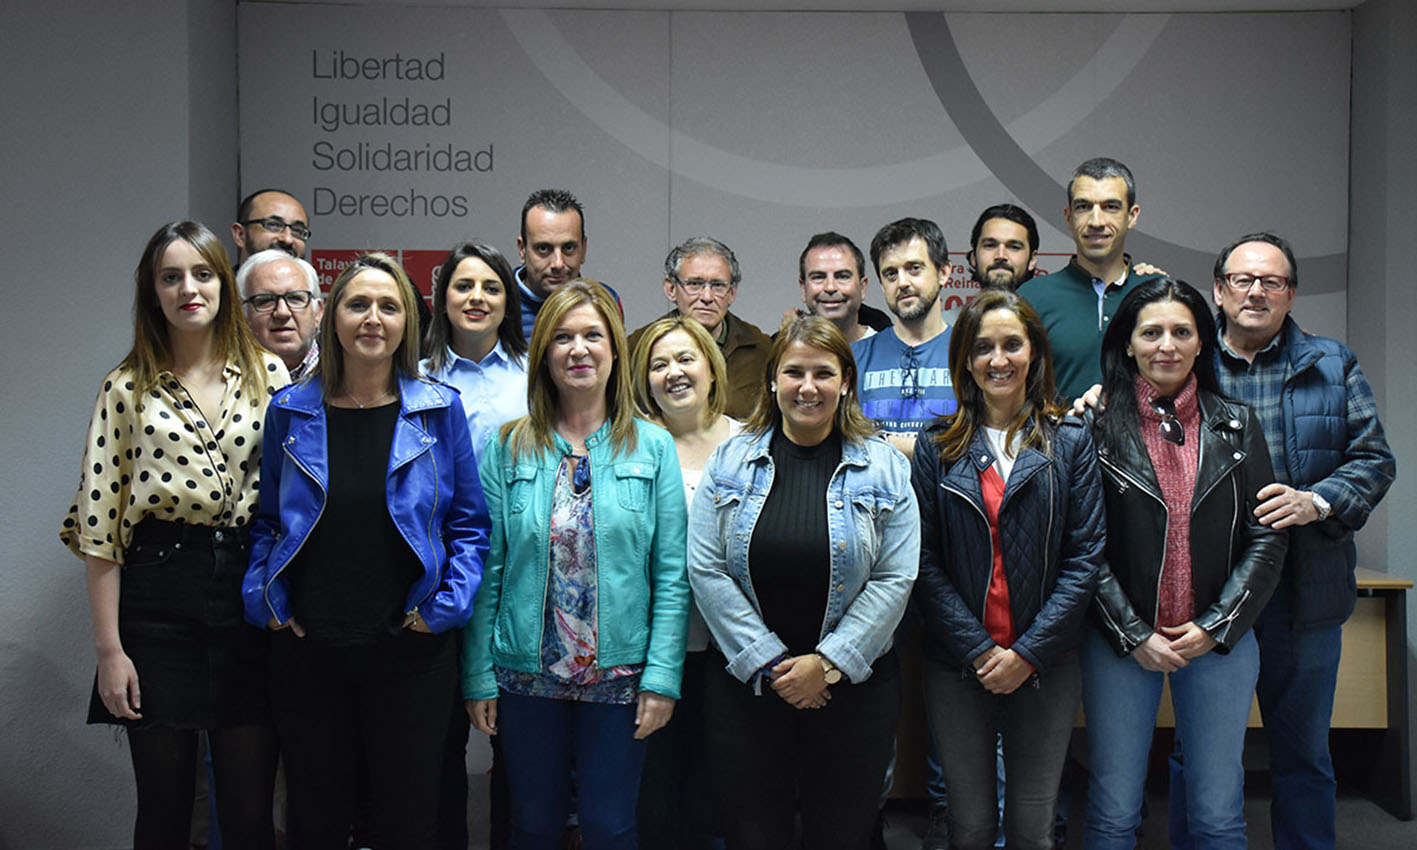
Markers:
<point>1332,465</point>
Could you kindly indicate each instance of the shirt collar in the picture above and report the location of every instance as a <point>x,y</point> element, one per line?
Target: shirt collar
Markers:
<point>498,354</point>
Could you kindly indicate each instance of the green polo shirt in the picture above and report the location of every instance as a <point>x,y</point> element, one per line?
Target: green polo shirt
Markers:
<point>1067,302</point>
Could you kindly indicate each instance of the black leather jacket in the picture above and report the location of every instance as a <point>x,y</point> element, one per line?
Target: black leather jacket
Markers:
<point>1235,561</point>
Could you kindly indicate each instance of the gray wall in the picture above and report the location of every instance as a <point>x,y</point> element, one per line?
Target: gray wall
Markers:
<point>114,123</point>
<point>119,117</point>
<point>1382,300</point>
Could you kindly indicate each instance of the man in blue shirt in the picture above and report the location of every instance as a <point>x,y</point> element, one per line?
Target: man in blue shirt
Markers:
<point>552,245</point>
<point>904,371</point>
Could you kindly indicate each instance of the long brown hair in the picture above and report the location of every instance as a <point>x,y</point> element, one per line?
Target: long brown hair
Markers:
<point>818,333</point>
<point>231,338</point>
<point>1039,404</point>
<point>533,432</point>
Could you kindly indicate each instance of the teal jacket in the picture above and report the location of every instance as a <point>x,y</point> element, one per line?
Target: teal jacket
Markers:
<point>643,588</point>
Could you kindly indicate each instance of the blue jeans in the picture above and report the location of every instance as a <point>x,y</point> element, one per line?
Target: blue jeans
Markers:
<point>544,742</point>
<point>1298,674</point>
<point>1211,696</point>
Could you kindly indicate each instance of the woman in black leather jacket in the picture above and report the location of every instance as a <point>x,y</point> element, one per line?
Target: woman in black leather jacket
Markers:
<point>1188,569</point>
<point>1012,534</point>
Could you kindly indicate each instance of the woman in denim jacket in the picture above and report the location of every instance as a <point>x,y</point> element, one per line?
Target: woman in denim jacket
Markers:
<point>803,546</point>
<point>575,649</point>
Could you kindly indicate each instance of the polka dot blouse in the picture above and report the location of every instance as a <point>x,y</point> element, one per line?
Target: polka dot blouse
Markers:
<point>155,454</point>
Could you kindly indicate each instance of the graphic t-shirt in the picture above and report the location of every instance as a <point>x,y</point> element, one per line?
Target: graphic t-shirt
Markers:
<point>902,387</point>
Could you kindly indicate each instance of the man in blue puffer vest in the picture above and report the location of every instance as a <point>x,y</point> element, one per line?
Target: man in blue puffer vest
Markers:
<point>1332,465</point>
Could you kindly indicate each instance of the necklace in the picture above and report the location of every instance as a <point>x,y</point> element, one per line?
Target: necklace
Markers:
<point>372,402</point>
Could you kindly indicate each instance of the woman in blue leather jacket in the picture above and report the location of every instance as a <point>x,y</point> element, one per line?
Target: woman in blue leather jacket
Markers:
<point>366,553</point>
<point>803,546</point>
<point>1012,533</point>
<point>576,645</point>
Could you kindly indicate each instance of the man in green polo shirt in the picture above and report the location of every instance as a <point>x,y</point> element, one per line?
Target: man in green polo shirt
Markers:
<point>1077,302</point>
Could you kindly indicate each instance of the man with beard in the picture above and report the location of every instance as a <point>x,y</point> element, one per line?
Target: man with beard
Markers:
<point>270,218</point>
<point>1003,247</point>
<point>904,370</point>
<point>1076,302</point>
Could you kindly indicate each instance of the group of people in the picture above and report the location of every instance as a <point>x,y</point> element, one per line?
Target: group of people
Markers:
<point>664,572</point>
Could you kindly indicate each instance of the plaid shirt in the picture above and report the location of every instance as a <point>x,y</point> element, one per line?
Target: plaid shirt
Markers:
<point>1357,484</point>
<point>1260,385</point>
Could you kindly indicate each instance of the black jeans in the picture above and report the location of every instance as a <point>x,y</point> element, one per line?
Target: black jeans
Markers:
<point>769,759</point>
<point>387,704</point>
<point>1036,721</point>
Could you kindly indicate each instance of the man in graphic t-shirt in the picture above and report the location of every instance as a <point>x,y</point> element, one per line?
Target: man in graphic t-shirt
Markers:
<point>904,371</point>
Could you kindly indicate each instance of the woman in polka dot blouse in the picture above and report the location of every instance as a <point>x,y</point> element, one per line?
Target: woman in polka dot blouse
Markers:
<point>167,491</point>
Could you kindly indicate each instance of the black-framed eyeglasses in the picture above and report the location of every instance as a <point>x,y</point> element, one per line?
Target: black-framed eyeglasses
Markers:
<point>276,224</point>
<point>265,302</point>
<point>1241,282</point>
<point>695,286</point>
<point>910,375</point>
<point>1169,426</point>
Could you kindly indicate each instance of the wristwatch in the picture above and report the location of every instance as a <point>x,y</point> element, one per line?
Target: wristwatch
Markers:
<point>829,670</point>
<point>1322,506</point>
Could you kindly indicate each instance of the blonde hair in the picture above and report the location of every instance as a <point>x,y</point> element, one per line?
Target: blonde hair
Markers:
<point>331,368</point>
<point>533,432</point>
<point>718,369</point>
<point>231,338</point>
<point>822,334</point>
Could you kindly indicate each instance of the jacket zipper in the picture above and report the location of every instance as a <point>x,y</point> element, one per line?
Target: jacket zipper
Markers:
<point>1165,532</point>
<point>428,530</point>
<point>983,603</point>
<point>266,591</point>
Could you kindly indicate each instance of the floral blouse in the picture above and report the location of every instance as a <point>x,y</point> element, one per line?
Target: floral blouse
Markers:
<point>158,454</point>
<point>568,636</point>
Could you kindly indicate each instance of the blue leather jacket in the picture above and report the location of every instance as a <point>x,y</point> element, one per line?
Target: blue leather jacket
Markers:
<point>642,614</point>
<point>434,495</point>
<point>1052,528</point>
<point>874,528</point>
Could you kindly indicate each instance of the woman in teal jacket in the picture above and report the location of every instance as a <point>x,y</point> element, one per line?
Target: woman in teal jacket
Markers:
<point>575,648</point>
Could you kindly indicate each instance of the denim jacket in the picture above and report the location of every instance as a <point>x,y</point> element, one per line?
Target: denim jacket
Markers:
<point>642,612</point>
<point>434,496</point>
<point>874,528</point>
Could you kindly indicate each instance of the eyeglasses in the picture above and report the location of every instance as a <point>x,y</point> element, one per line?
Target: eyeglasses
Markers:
<point>910,375</point>
<point>276,224</point>
<point>1169,426</point>
<point>1242,282</point>
<point>695,286</point>
<point>266,301</point>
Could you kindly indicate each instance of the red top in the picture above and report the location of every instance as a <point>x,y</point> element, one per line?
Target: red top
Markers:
<point>998,616</point>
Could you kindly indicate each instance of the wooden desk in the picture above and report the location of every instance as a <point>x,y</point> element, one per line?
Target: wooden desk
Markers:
<point>1371,692</point>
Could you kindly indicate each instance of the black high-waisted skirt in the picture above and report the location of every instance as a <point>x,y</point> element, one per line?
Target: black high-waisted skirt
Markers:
<point>200,665</point>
